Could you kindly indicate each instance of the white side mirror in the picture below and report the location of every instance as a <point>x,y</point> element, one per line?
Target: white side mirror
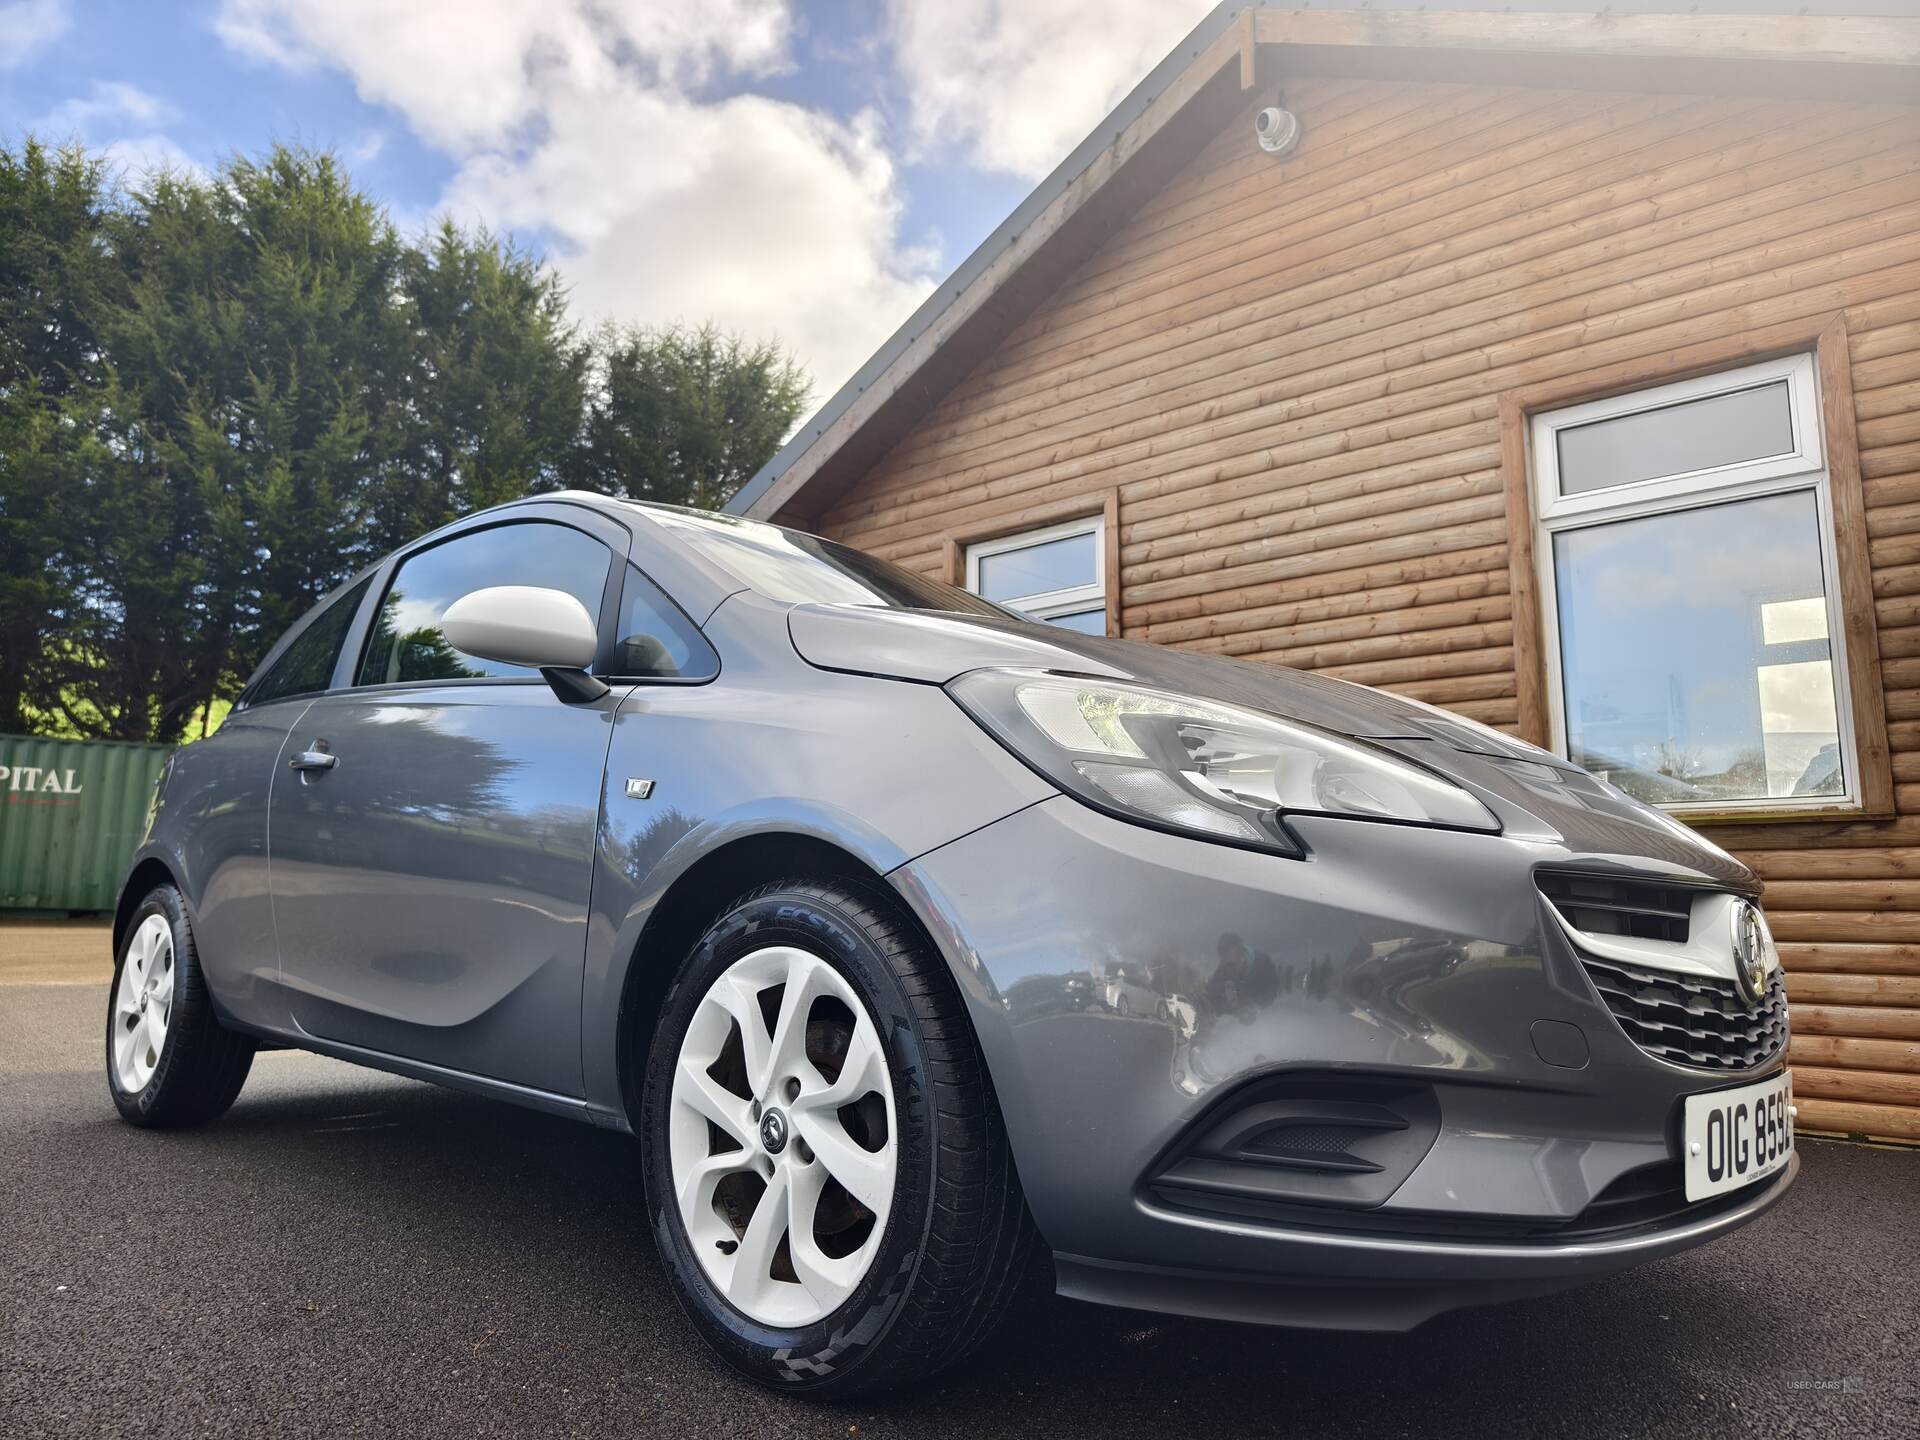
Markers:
<point>522,625</point>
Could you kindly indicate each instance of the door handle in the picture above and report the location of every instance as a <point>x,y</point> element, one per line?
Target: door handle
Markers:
<point>318,758</point>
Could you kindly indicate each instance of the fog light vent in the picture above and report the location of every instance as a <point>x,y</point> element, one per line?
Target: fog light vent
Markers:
<point>1314,1139</point>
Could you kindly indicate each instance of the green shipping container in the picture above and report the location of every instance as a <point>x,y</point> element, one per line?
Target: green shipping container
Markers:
<point>71,813</point>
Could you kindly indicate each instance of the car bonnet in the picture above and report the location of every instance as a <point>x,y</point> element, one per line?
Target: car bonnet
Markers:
<point>1540,794</point>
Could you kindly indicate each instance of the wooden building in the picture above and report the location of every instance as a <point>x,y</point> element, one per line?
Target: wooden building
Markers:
<point>1564,372</point>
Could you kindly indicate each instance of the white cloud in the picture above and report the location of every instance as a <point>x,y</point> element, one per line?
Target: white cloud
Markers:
<point>368,148</point>
<point>1014,85</point>
<point>138,156</point>
<point>123,123</point>
<point>471,69</point>
<point>599,125</point>
<point>763,216</point>
<point>109,102</point>
<point>28,26</point>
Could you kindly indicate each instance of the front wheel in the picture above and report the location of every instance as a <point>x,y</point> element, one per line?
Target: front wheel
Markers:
<point>170,1063</point>
<point>825,1168</point>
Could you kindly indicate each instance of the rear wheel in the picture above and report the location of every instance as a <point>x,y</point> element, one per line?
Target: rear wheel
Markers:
<point>825,1168</point>
<point>170,1063</point>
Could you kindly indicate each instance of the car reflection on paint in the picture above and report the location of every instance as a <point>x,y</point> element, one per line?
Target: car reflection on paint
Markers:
<point>1178,1012</point>
<point>1128,992</point>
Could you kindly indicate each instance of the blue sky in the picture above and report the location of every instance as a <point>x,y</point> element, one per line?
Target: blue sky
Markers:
<point>806,170</point>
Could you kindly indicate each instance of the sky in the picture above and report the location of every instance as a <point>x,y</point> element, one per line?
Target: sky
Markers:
<point>802,170</point>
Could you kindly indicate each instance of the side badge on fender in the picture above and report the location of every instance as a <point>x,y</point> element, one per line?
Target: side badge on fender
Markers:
<point>639,789</point>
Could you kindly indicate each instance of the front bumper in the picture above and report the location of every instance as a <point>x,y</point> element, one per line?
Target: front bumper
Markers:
<point>1394,954</point>
<point>1373,1283</point>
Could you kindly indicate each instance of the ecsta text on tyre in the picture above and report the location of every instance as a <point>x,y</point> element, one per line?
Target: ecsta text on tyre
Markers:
<point>908,935</point>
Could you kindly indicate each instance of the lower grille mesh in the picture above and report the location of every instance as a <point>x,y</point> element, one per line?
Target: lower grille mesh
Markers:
<point>1692,1019</point>
<point>1308,1139</point>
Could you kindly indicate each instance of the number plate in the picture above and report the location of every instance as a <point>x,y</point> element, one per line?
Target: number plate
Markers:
<point>1734,1137</point>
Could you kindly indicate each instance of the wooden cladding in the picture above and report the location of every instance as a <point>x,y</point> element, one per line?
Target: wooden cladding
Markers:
<point>1294,388</point>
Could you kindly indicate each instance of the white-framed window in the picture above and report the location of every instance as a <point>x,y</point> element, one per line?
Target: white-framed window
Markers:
<point>1694,639</point>
<point>1057,573</point>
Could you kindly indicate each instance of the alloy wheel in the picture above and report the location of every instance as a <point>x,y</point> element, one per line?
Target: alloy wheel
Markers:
<point>143,1004</point>
<point>782,1136</point>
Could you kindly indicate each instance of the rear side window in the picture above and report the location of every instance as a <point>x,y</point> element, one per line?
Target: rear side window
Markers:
<point>407,643</point>
<point>655,640</point>
<point>306,666</point>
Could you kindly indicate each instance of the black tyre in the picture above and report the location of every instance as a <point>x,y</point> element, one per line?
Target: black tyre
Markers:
<point>826,1172</point>
<point>170,1063</point>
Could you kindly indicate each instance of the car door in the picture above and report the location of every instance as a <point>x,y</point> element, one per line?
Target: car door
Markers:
<point>217,793</point>
<point>432,830</point>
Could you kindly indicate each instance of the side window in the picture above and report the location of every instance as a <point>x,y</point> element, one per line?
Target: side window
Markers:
<point>1056,574</point>
<point>406,643</point>
<point>655,640</point>
<point>306,666</point>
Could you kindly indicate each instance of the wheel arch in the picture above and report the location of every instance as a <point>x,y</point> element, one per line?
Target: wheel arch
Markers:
<point>148,872</point>
<point>699,896</point>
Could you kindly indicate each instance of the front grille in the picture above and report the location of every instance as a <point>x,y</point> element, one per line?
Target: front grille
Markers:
<point>1692,1020</point>
<point>1603,905</point>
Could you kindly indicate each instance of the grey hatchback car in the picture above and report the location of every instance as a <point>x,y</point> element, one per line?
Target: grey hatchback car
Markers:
<point>918,943</point>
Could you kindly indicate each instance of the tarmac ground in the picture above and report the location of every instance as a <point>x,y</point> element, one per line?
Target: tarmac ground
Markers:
<point>347,1253</point>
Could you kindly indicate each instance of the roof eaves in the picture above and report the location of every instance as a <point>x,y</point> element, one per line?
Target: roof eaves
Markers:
<point>1217,22</point>
<point>1878,31</point>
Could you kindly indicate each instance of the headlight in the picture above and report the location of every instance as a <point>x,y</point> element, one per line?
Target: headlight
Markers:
<point>1202,768</point>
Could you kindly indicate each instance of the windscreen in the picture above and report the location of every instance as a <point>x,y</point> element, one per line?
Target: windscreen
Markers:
<point>794,568</point>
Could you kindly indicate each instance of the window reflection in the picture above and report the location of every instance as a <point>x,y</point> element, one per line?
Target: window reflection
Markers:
<point>306,666</point>
<point>1052,574</point>
<point>1087,622</point>
<point>1696,657</point>
<point>800,569</point>
<point>1013,575</point>
<point>654,639</point>
<point>407,642</point>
